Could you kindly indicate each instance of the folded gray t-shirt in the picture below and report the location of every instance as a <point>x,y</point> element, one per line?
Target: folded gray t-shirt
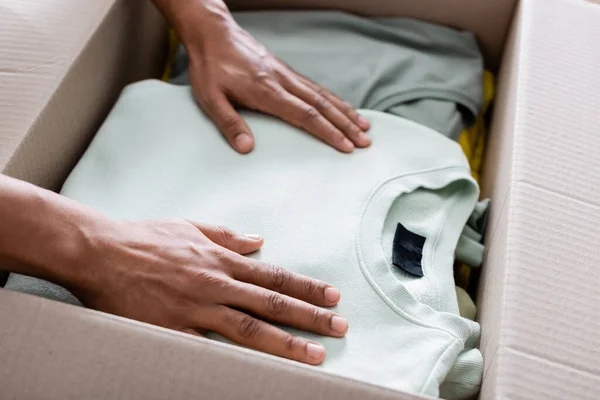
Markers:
<point>424,72</point>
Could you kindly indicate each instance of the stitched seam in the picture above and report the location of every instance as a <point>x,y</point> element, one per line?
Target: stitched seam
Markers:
<point>362,264</point>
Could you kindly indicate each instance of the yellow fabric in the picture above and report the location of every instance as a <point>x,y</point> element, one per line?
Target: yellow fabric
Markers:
<point>472,140</point>
<point>171,54</point>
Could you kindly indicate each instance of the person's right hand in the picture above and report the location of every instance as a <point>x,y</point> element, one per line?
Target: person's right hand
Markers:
<point>229,68</point>
<point>192,278</point>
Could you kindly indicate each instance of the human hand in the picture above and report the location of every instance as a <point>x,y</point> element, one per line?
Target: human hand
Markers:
<point>191,277</point>
<point>229,67</point>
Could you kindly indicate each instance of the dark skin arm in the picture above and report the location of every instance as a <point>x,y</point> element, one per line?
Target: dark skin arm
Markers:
<point>174,273</point>
<point>228,68</point>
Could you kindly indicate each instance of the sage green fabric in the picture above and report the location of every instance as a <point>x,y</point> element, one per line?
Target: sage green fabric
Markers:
<point>470,249</point>
<point>424,72</point>
<point>325,214</point>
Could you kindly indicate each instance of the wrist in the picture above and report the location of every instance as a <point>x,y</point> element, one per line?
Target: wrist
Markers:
<point>74,258</point>
<point>46,235</point>
<point>193,20</point>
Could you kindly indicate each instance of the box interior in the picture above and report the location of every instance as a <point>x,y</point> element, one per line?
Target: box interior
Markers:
<point>536,298</point>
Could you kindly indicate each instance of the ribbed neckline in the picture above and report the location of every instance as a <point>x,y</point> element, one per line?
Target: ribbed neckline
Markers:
<point>374,264</point>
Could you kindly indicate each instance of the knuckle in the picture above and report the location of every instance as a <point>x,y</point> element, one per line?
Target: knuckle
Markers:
<point>309,287</point>
<point>309,115</point>
<point>265,89</point>
<point>205,98</point>
<point>321,103</point>
<point>276,303</point>
<point>178,221</point>
<point>206,95</point>
<point>230,123</point>
<point>280,72</point>
<point>275,94</point>
<point>248,327</point>
<point>351,128</point>
<point>219,253</point>
<point>278,277</point>
<point>290,342</point>
<point>209,278</point>
<point>224,233</point>
<point>317,316</point>
<point>262,75</point>
<point>347,108</point>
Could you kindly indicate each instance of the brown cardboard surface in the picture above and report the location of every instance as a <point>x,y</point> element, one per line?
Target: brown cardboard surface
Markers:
<point>539,291</point>
<point>62,65</point>
<point>57,351</point>
<point>540,282</point>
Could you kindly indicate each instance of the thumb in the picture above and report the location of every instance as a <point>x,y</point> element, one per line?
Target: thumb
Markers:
<point>229,122</point>
<point>225,237</point>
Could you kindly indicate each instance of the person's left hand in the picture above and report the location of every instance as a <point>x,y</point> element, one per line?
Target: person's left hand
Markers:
<point>229,67</point>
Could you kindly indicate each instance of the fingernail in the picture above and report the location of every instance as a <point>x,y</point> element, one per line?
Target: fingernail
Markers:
<point>362,120</point>
<point>339,324</point>
<point>252,236</point>
<point>364,138</point>
<point>348,144</point>
<point>315,351</point>
<point>332,295</point>
<point>243,142</point>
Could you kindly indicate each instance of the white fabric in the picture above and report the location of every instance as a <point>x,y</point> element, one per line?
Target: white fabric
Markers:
<point>323,213</point>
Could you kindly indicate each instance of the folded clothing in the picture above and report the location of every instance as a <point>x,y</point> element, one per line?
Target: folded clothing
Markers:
<point>424,72</point>
<point>324,214</point>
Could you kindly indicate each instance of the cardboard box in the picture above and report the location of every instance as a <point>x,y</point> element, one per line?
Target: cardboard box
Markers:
<point>62,64</point>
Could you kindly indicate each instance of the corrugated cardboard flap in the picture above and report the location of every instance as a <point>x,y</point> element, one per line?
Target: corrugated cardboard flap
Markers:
<point>61,351</point>
<point>540,306</point>
<point>63,63</point>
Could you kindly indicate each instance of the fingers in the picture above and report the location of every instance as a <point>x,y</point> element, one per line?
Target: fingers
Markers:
<point>317,98</point>
<point>340,104</point>
<point>292,109</point>
<point>230,123</point>
<point>251,332</point>
<point>225,237</point>
<point>286,282</point>
<point>287,311</point>
<point>297,100</point>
